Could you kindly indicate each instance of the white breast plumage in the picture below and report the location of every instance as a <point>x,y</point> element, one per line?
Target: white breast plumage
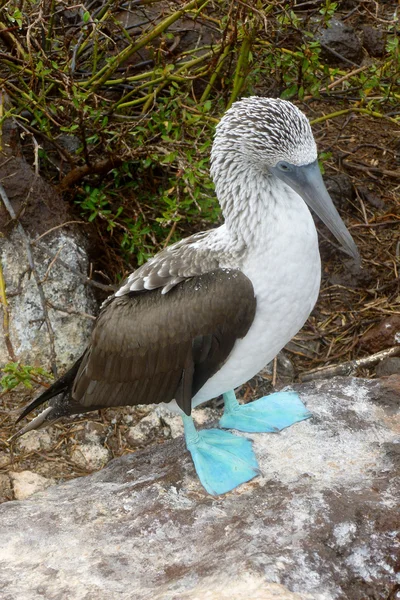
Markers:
<point>285,274</point>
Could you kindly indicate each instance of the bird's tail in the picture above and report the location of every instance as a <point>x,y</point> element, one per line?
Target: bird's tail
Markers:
<point>51,413</point>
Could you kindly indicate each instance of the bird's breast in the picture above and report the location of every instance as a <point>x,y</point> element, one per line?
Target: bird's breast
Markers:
<point>285,270</point>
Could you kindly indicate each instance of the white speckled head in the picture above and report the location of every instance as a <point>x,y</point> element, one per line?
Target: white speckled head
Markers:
<point>264,156</point>
<point>264,131</point>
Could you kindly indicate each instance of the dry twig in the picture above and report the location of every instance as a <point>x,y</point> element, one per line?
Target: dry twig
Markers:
<point>349,367</point>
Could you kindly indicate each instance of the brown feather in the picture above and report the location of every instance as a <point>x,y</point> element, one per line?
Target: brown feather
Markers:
<point>148,347</point>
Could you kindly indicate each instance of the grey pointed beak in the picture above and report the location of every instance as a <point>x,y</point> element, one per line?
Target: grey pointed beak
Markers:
<point>308,183</point>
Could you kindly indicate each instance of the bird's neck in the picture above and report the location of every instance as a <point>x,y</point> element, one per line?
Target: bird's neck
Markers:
<point>255,204</point>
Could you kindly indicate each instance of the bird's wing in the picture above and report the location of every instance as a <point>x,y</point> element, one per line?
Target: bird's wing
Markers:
<point>147,347</point>
<point>186,258</point>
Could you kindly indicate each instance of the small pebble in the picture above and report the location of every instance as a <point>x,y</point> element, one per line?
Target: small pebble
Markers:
<point>26,483</point>
<point>35,441</point>
<point>90,456</point>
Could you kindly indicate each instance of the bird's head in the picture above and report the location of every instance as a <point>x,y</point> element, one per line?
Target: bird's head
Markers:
<point>273,137</point>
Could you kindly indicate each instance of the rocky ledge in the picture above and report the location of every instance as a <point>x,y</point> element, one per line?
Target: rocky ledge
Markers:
<point>320,523</point>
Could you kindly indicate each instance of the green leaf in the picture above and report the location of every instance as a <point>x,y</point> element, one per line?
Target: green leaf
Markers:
<point>289,92</point>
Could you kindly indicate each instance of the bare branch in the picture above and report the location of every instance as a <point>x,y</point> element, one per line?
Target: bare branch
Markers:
<point>349,367</point>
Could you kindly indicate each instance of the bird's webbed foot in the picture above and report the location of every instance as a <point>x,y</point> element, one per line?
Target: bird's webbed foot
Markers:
<point>268,414</point>
<point>222,460</point>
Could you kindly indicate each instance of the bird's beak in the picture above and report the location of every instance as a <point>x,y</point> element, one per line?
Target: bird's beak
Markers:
<point>308,183</point>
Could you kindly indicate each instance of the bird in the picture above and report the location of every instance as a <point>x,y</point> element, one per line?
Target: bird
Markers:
<point>207,313</point>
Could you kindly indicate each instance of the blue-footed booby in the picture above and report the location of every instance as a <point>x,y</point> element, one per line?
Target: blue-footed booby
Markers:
<point>207,313</point>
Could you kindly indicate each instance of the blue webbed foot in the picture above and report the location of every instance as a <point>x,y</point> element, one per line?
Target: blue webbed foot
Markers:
<point>268,414</point>
<point>222,460</point>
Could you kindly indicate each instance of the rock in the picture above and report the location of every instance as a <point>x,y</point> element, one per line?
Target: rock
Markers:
<point>91,433</point>
<point>70,302</point>
<point>374,40</point>
<point>245,587</point>
<point>35,440</point>
<point>319,523</point>
<point>205,416</point>
<point>389,366</point>
<point>6,492</point>
<point>172,422</point>
<point>63,290</point>
<point>26,483</point>
<point>145,429</point>
<point>160,417</point>
<point>341,39</point>
<point>90,456</point>
<point>384,335</point>
<point>201,416</point>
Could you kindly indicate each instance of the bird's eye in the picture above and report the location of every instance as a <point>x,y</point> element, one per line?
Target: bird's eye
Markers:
<point>284,166</point>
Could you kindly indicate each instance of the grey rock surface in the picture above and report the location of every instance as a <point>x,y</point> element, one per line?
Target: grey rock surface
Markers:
<point>61,261</point>
<point>320,523</point>
<point>34,441</point>
<point>389,366</point>
<point>69,302</point>
<point>26,483</point>
<point>90,456</point>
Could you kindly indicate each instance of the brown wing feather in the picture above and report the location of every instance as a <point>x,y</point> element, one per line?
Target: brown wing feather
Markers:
<point>148,348</point>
